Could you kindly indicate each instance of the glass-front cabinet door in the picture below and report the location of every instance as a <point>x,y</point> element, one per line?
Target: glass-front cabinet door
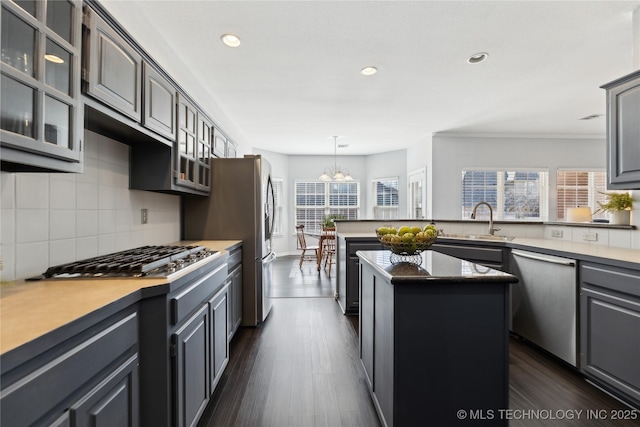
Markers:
<point>41,118</point>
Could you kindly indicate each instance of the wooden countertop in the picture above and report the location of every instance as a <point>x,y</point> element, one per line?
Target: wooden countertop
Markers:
<point>29,310</point>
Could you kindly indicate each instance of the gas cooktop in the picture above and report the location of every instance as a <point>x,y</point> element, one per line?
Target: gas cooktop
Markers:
<point>152,261</point>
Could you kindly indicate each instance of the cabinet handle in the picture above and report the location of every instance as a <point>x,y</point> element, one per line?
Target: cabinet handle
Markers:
<point>568,262</point>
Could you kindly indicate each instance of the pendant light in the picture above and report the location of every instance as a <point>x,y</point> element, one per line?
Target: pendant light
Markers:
<point>335,174</point>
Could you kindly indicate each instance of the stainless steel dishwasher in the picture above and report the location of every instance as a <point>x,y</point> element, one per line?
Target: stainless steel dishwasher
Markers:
<point>543,303</point>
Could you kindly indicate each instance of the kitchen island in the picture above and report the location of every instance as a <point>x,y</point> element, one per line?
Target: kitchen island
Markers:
<point>434,339</point>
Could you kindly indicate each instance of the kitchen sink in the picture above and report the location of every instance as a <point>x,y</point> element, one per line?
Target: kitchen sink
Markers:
<point>478,237</point>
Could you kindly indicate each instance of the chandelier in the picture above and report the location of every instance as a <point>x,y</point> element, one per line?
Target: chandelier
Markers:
<point>336,173</point>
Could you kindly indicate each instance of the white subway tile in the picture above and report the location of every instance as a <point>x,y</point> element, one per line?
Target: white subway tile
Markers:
<point>8,226</point>
<point>106,197</point>
<point>86,196</point>
<point>8,257</point>
<point>62,224</point>
<point>106,222</point>
<point>32,259</point>
<point>110,151</point>
<point>32,225</point>
<point>7,190</point>
<point>32,191</point>
<point>107,244</point>
<point>86,247</point>
<point>122,221</point>
<point>91,142</point>
<point>90,174</point>
<point>86,223</point>
<point>62,251</point>
<point>63,193</point>
<point>620,238</point>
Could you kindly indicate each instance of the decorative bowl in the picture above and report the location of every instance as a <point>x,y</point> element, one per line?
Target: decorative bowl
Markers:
<point>404,242</point>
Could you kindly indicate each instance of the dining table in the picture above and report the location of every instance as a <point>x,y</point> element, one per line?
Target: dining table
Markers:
<point>329,233</point>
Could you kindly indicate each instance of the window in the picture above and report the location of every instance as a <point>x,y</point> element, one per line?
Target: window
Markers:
<point>514,195</point>
<point>278,193</point>
<point>315,200</point>
<point>385,194</point>
<point>580,188</point>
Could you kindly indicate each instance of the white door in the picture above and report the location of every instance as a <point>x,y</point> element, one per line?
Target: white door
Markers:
<point>417,193</point>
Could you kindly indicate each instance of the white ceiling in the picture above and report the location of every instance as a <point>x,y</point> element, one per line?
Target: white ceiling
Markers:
<point>295,81</point>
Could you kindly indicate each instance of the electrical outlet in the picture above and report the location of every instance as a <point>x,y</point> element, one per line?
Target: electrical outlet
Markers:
<point>590,237</point>
<point>144,216</point>
<point>556,233</point>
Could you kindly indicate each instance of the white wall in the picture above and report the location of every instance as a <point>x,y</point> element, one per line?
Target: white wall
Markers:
<point>452,154</point>
<point>53,218</point>
<point>386,165</point>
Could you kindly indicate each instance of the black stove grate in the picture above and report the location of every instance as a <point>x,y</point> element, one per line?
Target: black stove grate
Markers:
<point>132,262</point>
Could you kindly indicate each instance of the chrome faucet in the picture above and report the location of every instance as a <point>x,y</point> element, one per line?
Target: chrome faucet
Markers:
<point>473,216</point>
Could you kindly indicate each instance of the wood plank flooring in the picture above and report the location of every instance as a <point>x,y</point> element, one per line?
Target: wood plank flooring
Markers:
<point>301,368</point>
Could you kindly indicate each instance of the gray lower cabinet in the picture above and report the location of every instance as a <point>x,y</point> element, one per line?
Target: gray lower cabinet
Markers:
<point>85,380</point>
<point>623,132</point>
<point>191,367</point>
<point>234,293</point>
<point>235,300</point>
<point>349,269</point>
<point>418,374</point>
<point>113,68</point>
<point>610,328</point>
<point>181,354</point>
<point>219,342</point>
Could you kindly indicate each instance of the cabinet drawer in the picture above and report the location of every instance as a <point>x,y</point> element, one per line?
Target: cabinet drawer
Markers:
<point>620,280</point>
<point>235,258</point>
<point>195,294</point>
<point>28,399</point>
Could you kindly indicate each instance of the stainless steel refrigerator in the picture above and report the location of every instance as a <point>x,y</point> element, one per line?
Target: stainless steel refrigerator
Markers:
<point>240,207</point>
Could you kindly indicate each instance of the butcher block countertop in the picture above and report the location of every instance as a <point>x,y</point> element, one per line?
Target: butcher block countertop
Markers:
<point>31,309</point>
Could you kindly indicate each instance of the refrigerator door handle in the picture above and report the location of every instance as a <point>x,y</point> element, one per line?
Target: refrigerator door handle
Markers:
<point>270,258</point>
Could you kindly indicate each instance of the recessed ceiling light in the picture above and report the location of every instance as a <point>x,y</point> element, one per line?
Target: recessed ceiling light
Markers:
<point>230,40</point>
<point>53,58</point>
<point>369,71</point>
<point>478,57</point>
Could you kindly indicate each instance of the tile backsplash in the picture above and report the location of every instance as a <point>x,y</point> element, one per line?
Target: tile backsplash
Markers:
<point>53,218</point>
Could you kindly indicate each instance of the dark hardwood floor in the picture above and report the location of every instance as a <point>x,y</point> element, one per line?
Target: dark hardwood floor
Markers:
<point>301,368</point>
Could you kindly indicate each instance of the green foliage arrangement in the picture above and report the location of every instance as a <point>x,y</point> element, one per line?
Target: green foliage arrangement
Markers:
<point>327,221</point>
<point>616,202</point>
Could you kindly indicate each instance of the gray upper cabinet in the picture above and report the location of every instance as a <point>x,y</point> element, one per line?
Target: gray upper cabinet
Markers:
<point>219,144</point>
<point>113,70</point>
<point>159,106</point>
<point>623,132</point>
<point>41,119</point>
<point>231,151</point>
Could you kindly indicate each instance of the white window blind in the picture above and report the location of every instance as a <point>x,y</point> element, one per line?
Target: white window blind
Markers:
<point>385,194</point>
<point>315,200</point>
<point>514,195</point>
<point>278,192</point>
<point>576,188</point>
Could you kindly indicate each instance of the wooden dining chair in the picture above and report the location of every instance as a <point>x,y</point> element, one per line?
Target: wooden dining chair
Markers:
<point>328,247</point>
<point>302,245</point>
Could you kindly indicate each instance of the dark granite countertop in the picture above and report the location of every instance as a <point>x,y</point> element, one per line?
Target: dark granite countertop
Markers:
<point>435,268</point>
